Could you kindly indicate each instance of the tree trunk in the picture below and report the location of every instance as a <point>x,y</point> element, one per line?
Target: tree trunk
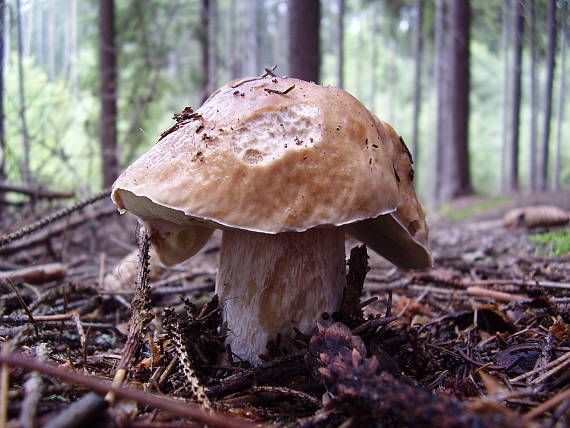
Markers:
<point>209,47</point>
<point>456,177</point>
<point>6,35</point>
<point>51,41</point>
<point>418,47</point>
<point>26,176</point>
<point>340,44</point>
<point>2,134</point>
<point>550,65</point>
<point>374,55</point>
<point>251,45</point>
<point>213,47</point>
<point>233,40</point>
<point>515,123</point>
<point>204,34</point>
<point>506,42</point>
<point>39,34</point>
<point>533,98</point>
<point>304,53</point>
<point>561,99</point>
<point>441,86</point>
<point>71,69</point>
<point>108,82</point>
<point>27,24</point>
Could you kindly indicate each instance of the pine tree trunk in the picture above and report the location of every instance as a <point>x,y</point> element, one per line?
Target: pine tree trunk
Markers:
<point>418,47</point>
<point>340,44</point>
<point>251,45</point>
<point>550,65</point>
<point>27,23</point>
<point>374,55</point>
<point>6,35</point>
<point>304,51</point>
<point>561,99</point>
<point>26,176</point>
<point>204,34</point>
<point>456,177</point>
<point>51,40</point>
<point>108,92</point>
<point>233,40</point>
<point>212,47</point>
<point>39,34</point>
<point>533,99</point>
<point>2,133</point>
<point>515,123</point>
<point>72,56</point>
<point>440,85</point>
<point>506,43</point>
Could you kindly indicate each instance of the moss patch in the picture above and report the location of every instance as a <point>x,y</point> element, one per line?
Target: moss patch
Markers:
<point>453,212</point>
<point>556,243</point>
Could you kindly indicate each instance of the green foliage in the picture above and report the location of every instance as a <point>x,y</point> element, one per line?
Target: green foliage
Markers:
<point>451,211</point>
<point>557,243</point>
<point>160,72</point>
<point>62,154</point>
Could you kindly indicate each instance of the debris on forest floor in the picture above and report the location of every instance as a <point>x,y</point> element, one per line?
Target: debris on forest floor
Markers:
<point>481,339</point>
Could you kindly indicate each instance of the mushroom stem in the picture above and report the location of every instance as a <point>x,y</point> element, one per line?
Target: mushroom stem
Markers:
<point>269,284</point>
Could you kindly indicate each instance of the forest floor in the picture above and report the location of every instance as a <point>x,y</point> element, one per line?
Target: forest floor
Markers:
<point>481,339</point>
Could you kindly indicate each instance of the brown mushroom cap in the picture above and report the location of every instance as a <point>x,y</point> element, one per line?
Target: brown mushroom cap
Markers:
<point>401,236</point>
<point>256,158</point>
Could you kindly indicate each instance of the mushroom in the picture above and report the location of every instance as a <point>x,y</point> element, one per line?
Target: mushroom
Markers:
<point>284,168</point>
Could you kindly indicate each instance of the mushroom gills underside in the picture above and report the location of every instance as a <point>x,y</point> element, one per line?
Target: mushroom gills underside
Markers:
<point>386,236</point>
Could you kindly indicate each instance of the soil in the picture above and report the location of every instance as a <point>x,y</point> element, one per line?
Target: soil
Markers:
<point>481,339</point>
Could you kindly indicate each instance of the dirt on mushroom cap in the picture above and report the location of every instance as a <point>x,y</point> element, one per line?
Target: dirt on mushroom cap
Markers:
<point>270,162</point>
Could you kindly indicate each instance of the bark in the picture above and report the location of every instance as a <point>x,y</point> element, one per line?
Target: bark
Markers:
<point>340,43</point>
<point>456,177</point>
<point>71,56</point>
<point>515,123</point>
<point>22,97</point>
<point>209,48</point>
<point>550,65</point>
<point>304,47</point>
<point>6,34</point>
<point>233,40</point>
<point>441,85</point>
<point>533,98</point>
<point>251,45</point>
<point>51,42</point>
<point>561,99</point>
<point>108,92</point>
<point>418,48</point>
<point>212,47</point>
<point>27,24</point>
<point>39,34</point>
<point>2,141</point>
<point>506,42</point>
<point>374,56</point>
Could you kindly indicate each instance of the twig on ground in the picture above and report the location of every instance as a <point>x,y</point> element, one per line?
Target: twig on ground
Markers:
<point>141,314</point>
<point>33,392</point>
<point>177,407</point>
<point>40,224</point>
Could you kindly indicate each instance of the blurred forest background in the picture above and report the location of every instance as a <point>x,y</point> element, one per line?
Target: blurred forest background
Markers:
<point>477,89</point>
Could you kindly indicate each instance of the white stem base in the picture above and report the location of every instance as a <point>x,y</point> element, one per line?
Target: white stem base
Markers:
<point>268,284</point>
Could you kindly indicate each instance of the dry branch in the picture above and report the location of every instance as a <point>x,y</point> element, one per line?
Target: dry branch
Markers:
<point>37,274</point>
<point>35,192</point>
<point>177,407</point>
<point>40,224</point>
<point>43,236</point>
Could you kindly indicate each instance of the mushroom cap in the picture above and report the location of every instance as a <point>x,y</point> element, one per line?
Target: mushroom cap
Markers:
<point>258,157</point>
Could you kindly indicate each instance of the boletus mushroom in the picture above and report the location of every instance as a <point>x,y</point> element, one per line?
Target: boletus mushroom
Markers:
<point>284,167</point>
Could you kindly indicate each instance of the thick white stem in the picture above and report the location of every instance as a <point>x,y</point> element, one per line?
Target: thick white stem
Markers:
<point>269,284</point>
